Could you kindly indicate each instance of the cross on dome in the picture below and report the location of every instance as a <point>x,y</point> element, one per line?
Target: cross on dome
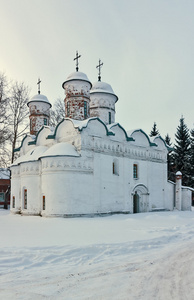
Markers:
<point>39,81</point>
<point>76,58</point>
<point>99,69</point>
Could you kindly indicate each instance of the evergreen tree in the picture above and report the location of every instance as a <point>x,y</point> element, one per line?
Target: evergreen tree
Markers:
<point>191,167</point>
<point>182,151</point>
<point>170,160</point>
<point>168,140</point>
<point>154,130</point>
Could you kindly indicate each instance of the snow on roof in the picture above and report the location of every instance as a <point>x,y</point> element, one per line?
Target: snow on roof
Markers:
<point>102,87</point>
<point>31,155</point>
<point>77,76</point>
<point>130,132</point>
<point>81,123</point>
<point>39,98</point>
<point>178,173</point>
<point>61,149</point>
<point>4,173</point>
<point>152,138</point>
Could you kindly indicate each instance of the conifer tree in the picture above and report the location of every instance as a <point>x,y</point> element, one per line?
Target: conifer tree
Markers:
<point>191,160</point>
<point>154,130</point>
<point>168,140</point>
<point>182,151</point>
<point>170,160</point>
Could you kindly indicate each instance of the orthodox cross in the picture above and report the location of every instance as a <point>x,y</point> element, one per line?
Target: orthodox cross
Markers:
<point>39,81</point>
<point>99,69</point>
<point>76,58</point>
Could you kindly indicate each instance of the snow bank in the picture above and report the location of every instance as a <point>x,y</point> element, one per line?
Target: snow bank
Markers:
<point>97,258</point>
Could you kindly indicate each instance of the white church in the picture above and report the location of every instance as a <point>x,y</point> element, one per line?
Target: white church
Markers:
<point>89,164</point>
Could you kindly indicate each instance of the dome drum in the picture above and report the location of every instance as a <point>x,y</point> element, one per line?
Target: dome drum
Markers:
<point>39,108</point>
<point>77,96</point>
<point>103,101</point>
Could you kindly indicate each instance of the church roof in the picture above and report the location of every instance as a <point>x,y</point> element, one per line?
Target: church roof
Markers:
<point>39,98</point>
<point>102,87</point>
<point>61,149</point>
<point>77,76</point>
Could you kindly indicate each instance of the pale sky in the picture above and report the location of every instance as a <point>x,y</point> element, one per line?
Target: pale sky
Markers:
<point>147,47</point>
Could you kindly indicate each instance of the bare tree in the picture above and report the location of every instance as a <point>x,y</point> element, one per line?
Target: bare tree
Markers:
<point>57,112</point>
<point>18,121</point>
<point>4,122</point>
<point>4,131</point>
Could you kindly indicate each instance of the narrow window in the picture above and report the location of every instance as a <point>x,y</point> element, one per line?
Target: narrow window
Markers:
<point>45,121</point>
<point>85,109</point>
<point>43,202</point>
<point>115,167</point>
<point>68,109</point>
<point>135,171</point>
<point>25,199</point>
<point>13,203</point>
<point>109,117</point>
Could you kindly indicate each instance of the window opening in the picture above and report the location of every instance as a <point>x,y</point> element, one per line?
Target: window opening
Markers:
<point>109,117</point>
<point>43,203</point>
<point>25,199</point>
<point>68,109</point>
<point>135,171</point>
<point>2,197</point>
<point>115,167</point>
<point>13,203</point>
<point>85,109</point>
<point>45,121</point>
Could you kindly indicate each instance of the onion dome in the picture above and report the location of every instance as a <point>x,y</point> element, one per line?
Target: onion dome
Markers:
<point>39,98</point>
<point>102,87</point>
<point>77,76</point>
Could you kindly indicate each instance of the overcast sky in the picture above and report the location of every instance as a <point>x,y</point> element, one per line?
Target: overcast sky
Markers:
<point>147,47</point>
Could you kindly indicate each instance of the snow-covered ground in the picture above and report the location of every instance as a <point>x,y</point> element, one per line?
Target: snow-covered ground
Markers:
<point>142,256</point>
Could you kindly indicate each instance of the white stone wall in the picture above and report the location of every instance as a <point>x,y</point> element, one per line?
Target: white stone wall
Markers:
<point>86,184</point>
<point>186,199</point>
<point>15,189</point>
<point>101,105</point>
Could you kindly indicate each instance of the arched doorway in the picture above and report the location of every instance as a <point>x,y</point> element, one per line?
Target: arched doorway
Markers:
<point>135,203</point>
<point>140,199</point>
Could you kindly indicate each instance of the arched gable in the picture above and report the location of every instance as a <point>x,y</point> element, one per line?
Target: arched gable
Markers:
<point>95,126</point>
<point>120,133</point>
<point>161,143</point>
<point>41,138</point>
<point>25,147</point>
<point>141,138</point>
<point>64,128</point>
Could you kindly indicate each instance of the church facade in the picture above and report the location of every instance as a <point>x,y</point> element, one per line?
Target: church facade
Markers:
<point>89,164</point>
